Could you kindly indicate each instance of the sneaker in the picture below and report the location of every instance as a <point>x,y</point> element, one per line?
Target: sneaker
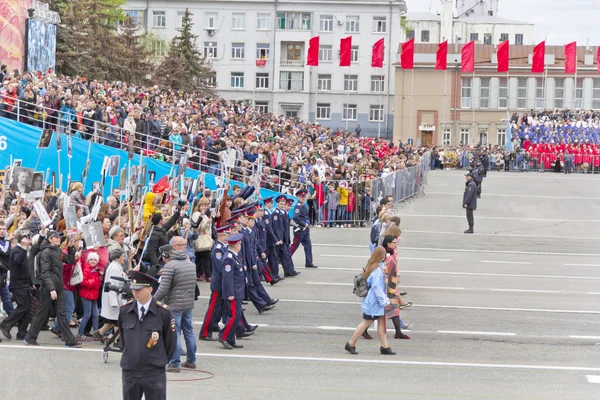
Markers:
<point>76,345</point>
<point>98,336</point>
<point>171,368</point>
<point>83,338</point>
<point>188,365</point>
<point>405,326</point>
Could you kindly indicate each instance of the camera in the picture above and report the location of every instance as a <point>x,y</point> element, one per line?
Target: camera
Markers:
<point>125,290</point>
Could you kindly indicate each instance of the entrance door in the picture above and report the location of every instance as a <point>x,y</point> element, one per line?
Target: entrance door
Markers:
<point>426,138</point>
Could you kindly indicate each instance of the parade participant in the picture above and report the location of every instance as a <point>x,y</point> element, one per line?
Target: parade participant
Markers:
<point>233,291</point>
<point>281,229</point>
<point>177,284</point>
<point>302,229</point>
<point>392,310</point>
<point>272,263</point>
<point>111,302</point>
<point>5,248</point>
<point>373,304</point>
<point>260,230</point>
<point>215,303</point>
<point>470,200</point>
<point>159,235</point>
<point>149,340</point>
<point>287,238</point>
<point>478,174</point>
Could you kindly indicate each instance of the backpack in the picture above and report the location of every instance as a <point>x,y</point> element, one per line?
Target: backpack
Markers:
<point>361,288</point>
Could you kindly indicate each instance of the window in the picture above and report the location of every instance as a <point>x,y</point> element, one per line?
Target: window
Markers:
<point>324,83</point>
<point>262,106</point>
<point>410,34</point>
<point>354,54</point>
<point>350,83</point>
<point>291,80</point>
<point>238,21</point>
<point>501,137</point>
<point>465,96</point>
<point>323,111</point>
<point>349,112</point>
<point>158,46</point>
<point>483,136</point>
<point>211,81</point>
<point>519,39</point>
<point>352,24</point>
<point>446,135</point>
<point>263,22</point>
<point>503,93</point>
<point>559,92</point>
<point>210,20</point>
<point>484,93</point>
<point>262,80</point>
<point>237,51</point>
<point>263,51</point>
<point>474,36</point>
<point>210,50</point>
<point>379,24</point>
<point>539,93</point>
<point>326,23</point>
<point>159,19</point>
<point>377,83</point>
<point>596,94</point>
<point>237,80</point>
<point>503,37</point>
<point>579,93</point>
<point>424,36</point>
<point>294,52</point>
<point>325,53</point>
<point>521,92</point>
<point>376,113</point>
<point>464,135</point>
<point>487,38</point>
<point>179,23</point>
<point>293,21</point>
<point>136,16</point>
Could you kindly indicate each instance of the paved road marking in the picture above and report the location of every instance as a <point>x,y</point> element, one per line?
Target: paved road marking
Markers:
<point>403,286</point>
<point>527,196</point>
<point>593,378</point>
<point>593,292</point>
<point>532,236</point>
<point>525,291</point>
<point>479,333</point>
<point>462,216</point>
<point>505,262</point>
<point>336,328</point>
<point>478,251</point>
<point>581,265</point>
<point>503,275</point>
<point>584,337</point>
<point>349,359</point>
<point>399,258</point>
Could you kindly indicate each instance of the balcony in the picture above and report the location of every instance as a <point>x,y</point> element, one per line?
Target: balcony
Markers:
<point>292,63</point>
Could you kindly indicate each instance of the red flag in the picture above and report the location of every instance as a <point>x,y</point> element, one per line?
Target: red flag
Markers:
<point>598,59</point>
<point>537,61</point>
<point>312,59</point>
<point>377,54</point>
<point>502,56</point>
<point>571,58</point>
<point>345,51</point>
<point>441,57</point>
<point>162,185</point>
<point>468,57</point>
<point>407,57</point>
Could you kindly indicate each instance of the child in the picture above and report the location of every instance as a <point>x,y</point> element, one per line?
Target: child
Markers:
<point>351,206</point>
<point>331,202</point>
<point>343,204</point>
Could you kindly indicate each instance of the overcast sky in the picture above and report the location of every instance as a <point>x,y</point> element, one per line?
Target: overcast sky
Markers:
<point>557,21</point>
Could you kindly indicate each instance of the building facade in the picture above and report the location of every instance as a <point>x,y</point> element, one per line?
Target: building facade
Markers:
<point>451,107</point>
<point>258,50</point>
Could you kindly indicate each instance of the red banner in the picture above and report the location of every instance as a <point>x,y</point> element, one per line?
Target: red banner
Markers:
<point>441,57</point>
<point>407,57</point>
<point>503,54</point>
<point>468,57</point>
<point>345,51</point>
<point>571,58</point>
<point>312,59</point>
<point>377,54</point>
<point>539,55</point>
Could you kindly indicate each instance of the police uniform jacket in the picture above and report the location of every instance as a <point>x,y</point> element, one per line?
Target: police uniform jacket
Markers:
<point>470,195</point>
<point>301,217</point>
<point>278,224</point>
<point>216,258</point>
<point>269,227</point>
<point>234,278</point>
<point>286,226</point>
<point>136,335</point>
<point>250,256</point>
<point>261,236</point>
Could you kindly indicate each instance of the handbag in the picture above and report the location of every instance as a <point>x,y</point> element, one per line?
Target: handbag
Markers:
<point>76,276</point>
<point>203,243</point>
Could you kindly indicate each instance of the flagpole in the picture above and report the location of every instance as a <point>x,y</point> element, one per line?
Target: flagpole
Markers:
<point>473,103</point>
<point>574,88</point>
<point>442,125</point>
<point>507,135</point>
<point>348,97</point>
<point>382,114</point>
<point>412,92</point>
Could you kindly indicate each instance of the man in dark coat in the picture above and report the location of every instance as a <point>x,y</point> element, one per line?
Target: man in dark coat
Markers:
<point>470,200</point>
<point>159,238</point>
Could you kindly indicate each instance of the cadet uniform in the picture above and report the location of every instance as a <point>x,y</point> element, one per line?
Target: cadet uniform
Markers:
<point>302,230</point>
<point>250,260</point>
<point>270,221</point>
<point>233,285</point>
<point>215,304</point>
<point>149,340</point>
<point>281,228</point>
<point>260,231</point>
<point>470,201</point>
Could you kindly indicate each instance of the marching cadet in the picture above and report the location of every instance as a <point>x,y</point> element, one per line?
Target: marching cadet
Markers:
<point>478,174</point>
<point>149,339</point>
<point>233,291</point>
<point>470,200</point>
<point>302,229</point>
<point>287,238</point>
<point>281,228</point>
<point>261,242</point>
<point>215,304</point>
<point>272,264</point>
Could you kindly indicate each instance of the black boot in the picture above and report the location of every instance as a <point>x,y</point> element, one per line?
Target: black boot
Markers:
<point>470,230</point>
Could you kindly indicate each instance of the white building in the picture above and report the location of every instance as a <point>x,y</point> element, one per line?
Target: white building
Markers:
<point>471,20</point>
<point>258,50</point>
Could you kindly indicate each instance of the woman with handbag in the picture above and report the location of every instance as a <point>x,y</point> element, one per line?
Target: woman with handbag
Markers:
<point>89,291</point>
<point>374,303</point>
<point>203,244</point>
<point>392,310</point>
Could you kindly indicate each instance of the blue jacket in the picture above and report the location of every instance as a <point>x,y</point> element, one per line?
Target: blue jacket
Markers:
<point>217,253</point>
<point>376,299</point>
<point>301,217</point>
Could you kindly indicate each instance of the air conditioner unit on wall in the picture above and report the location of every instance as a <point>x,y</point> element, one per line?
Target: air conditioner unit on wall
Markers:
<point>210,31</point>
<point>339,22</point>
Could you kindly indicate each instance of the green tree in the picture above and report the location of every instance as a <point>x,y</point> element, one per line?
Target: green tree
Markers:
<point>135,53</point>
<point>183,68</point>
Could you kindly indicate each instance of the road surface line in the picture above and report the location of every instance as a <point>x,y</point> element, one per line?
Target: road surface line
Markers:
<point>462,216</point>
<point>503,275</point>
<point>593,292</point>
<point>399,258</point>
<point>527,196</point>
<point>479,333</point>
<point>348,359</point>
<point>584,337</point>
<point>505,262</point>
<point>593,378</point>
<point>581,265</point>
<point>525,290</point>
<point>533,236</point>
<point>403,286</point>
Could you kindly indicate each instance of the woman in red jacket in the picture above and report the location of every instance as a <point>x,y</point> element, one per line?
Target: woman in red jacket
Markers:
<point>89,291</point>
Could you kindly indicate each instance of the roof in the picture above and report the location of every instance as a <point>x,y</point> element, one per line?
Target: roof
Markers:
<point>484,19</point>
<point>417,16</point>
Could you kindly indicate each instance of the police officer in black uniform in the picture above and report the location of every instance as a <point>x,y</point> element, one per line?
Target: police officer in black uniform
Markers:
<point>470,200</point>
<point>149,339</point>
<point>302,229</point>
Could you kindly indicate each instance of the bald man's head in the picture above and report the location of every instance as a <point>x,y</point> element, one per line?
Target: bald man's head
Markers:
<point>178,243</point>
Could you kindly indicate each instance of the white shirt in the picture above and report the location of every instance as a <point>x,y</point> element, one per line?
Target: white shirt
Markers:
<point>146,306</point>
